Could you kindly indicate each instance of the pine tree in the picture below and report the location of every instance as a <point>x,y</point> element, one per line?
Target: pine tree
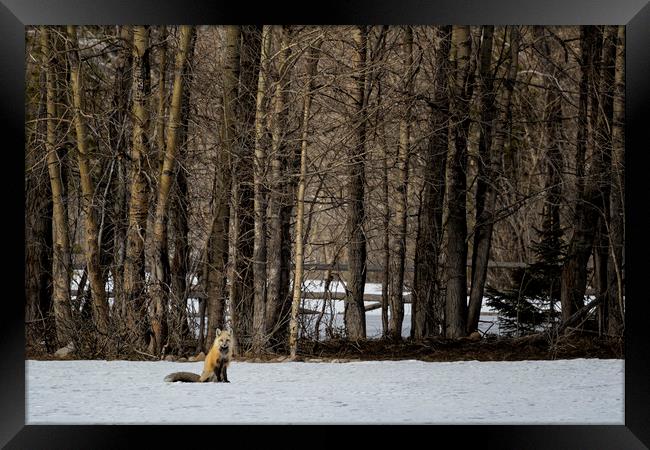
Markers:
<point>529,304</point>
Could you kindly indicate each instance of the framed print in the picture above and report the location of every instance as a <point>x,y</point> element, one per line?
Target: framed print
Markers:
<point>382,213</point>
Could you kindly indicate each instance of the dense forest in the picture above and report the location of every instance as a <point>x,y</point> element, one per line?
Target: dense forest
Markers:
<point>453,165</point>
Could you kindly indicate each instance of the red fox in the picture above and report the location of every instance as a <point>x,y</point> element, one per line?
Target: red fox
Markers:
<point>215,364</point>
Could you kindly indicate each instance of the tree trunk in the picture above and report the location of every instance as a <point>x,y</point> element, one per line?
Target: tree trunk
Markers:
<point>97,281</point>
<point>385,284</point>
<point>588,214</point>
<point>484,168</point>
<point>242,218</point>
<point>355,314</point>
<point>616,222</point>
<point>456,232</point>
<point>38,241</point>
<point>159,130</point>
<point>113,217</point>
<point>312,68</point>
<point>61,260</point>
<point>218,249</point>
<point>604,143</point>
<point>260,200</point>
<point>573,276</point>
<point>398,244</point>
<point>281,335</point>
<point>118,141</point>
<point>159,273</point>
<point>134,269</point>
<point>553,139</point>
<point>202,281</point>
<point>583,106</point>
<point>38,197</point>
<point>179,220</point>
<point>428,302</point>
<point>277,295</point>
<point>485,218</point>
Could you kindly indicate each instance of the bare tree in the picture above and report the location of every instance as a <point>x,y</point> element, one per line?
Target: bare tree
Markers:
<point>260,200</point>
<point>179,221</point>
<point>428,301</point>
<point>310,86</point>
<point>159,290</point>
<point>456,232</point>
<point>61,262</point>
<point>218,241</point>
<point>97,282</point>
<point>355,313</point>
<point>134,269</point>
<point>401,199</point>
<point>242,216</point>
<point>485,214</point>
<point>592,198</point>
<point>118,142</point>
<point>277,261</point>
<point>615,304</point>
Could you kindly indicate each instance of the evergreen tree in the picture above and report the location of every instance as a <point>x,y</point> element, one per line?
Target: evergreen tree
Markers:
<point>529,304</point>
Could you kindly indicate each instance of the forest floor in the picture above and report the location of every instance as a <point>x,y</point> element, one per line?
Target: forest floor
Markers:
<point>490,348</point>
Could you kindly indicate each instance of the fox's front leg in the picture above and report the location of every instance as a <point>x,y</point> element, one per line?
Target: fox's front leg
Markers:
<point>218,372</point>
<point>225,375</point>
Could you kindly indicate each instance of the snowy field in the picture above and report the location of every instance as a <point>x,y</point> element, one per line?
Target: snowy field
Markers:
<point>578,391</point>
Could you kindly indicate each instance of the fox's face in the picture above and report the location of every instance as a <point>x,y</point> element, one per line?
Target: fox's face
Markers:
<point>223,340</point>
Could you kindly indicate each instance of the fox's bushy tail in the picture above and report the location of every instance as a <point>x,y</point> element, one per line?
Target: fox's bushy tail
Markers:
<point>187,377</point>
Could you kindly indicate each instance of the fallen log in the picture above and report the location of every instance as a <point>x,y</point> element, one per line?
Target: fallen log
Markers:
<point>564,326</point>
<point>579,314</point>
<point>373,306</point>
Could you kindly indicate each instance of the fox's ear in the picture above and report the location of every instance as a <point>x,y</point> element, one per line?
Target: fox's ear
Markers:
<point>218,331</point>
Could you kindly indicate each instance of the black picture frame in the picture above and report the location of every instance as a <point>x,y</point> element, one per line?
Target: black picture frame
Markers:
<point>635,14</point>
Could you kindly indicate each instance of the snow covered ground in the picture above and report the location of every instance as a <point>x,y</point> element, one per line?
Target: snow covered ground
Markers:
<point>578,391</point>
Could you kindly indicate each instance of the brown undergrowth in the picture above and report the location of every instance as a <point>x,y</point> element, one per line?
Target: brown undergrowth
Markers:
<point>487,349</point>
<point>490,348</point>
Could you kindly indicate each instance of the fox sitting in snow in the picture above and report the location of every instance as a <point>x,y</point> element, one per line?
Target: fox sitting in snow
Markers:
<point>215,364</point>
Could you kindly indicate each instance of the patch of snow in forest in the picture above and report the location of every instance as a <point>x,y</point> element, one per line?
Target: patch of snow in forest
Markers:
<point>578,391</point>
<point>334,312</point>
<point>488,323</point>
